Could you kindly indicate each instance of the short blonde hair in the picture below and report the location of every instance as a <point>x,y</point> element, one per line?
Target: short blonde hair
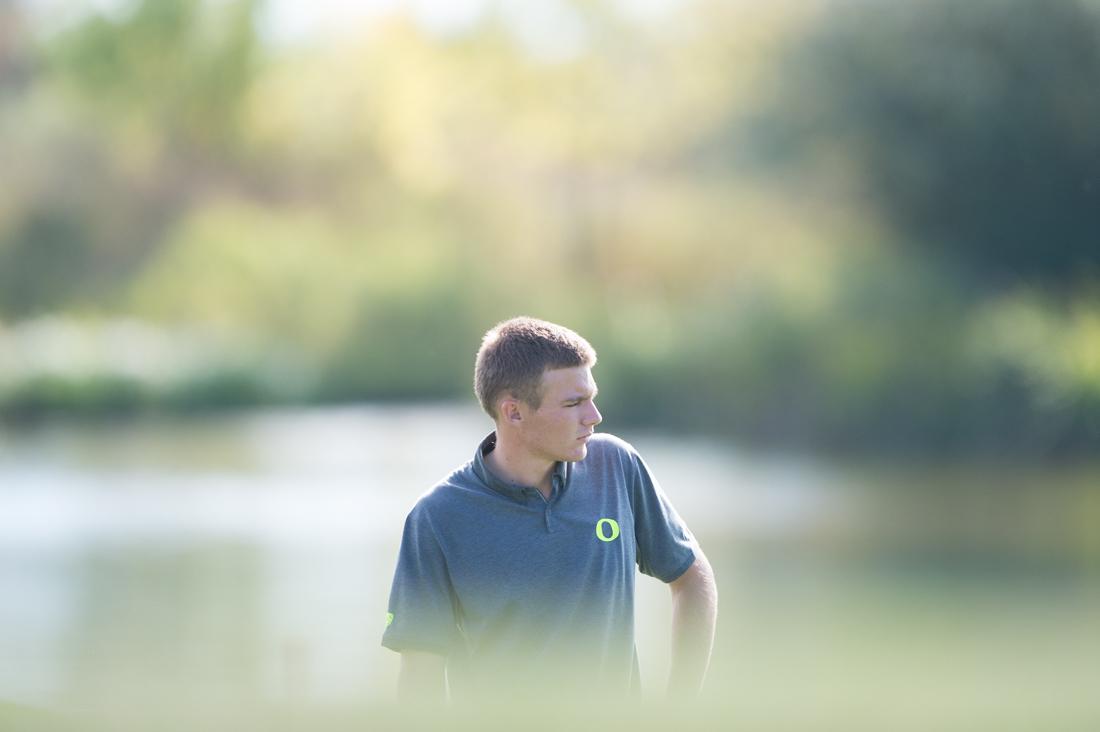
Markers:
<point>515,353</point>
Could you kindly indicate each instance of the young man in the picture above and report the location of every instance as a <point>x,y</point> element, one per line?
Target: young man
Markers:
<point>517,570</point>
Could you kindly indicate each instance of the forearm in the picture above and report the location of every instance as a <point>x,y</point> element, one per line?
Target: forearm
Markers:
<point>422,677</point>
<point>694,616</point>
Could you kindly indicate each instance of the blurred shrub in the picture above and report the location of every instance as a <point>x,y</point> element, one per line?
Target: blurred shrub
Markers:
<point>826,229</point>
<point>970,126</point>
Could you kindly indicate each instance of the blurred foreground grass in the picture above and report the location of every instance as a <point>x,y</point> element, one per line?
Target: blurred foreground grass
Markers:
<point>805,643</point>
<point>555,717</point>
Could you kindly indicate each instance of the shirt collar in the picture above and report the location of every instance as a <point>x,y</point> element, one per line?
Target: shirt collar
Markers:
<point>561,471</point>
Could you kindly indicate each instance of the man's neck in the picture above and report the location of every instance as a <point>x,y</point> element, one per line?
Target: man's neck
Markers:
<point>514,464</point>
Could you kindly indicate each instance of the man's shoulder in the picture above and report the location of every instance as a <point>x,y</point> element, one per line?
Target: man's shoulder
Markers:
<point>607,451</point>
<point>607,443</point>
<point>449,490</point>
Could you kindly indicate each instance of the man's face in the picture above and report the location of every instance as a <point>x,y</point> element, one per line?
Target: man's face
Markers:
<point>559,429</point>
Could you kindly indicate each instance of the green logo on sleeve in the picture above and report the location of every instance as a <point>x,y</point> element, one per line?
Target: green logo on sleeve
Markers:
<point>389,619</point>
<point>607,529</point>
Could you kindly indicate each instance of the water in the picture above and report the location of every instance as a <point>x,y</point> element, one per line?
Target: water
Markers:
<point>245,560</point>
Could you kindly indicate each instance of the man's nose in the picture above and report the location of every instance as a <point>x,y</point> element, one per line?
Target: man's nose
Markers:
<point>593,417</point>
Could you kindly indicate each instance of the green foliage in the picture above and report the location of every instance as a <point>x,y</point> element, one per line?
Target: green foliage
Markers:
<point>181,66</point>
<point>38,258</point>
<point>107,395</point>
<point>971,126</point>
<point>228,388</point>
<point>818,229</point>
<point>408,347</point>
<point>126,122</point>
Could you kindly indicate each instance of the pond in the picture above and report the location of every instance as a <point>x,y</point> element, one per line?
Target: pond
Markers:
<point>244,560</point>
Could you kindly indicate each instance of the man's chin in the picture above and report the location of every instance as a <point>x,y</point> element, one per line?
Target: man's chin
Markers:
<point>578,454</point>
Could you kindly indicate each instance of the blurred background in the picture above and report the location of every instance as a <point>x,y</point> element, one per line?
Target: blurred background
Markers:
<point>840,260</point>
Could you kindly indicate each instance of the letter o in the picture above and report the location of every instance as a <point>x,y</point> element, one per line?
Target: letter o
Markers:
<point>600,529</point>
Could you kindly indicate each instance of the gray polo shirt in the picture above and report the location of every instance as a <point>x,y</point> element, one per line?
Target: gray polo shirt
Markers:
<point>507,584</point>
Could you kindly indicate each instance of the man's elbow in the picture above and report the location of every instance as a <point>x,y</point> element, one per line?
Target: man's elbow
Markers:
<point>698,579</point>
<point>422,677</point>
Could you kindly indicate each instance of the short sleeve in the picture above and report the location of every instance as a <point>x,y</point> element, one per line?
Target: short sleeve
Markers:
<point>421,615</point>
<point>665,545</point>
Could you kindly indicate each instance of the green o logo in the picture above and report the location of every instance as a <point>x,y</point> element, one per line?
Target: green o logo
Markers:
<point>389,619</point>
<point>602,534</point>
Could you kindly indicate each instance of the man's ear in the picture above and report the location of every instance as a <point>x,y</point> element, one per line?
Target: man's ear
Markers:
<point>509,410</point>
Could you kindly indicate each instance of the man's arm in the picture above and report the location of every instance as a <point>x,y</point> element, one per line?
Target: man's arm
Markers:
<point>694,615</point>
<point>421,677</point>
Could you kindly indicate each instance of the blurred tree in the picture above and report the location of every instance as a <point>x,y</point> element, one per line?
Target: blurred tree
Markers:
<point>182,66</point>
<point>971,125</point>
<point>37,256</point>
<point>351,215</point>
<point>125,123</point>
<point>15,62</point>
